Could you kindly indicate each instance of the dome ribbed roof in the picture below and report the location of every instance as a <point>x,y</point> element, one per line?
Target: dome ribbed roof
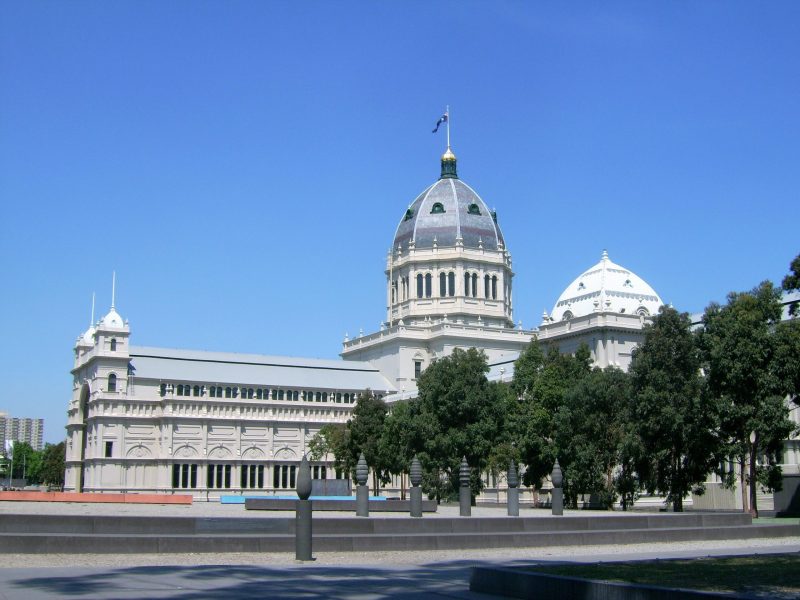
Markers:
<point>447,210</point>
<point>606,287</point>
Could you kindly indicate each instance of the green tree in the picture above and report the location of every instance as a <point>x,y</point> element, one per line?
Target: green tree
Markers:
<point>744,362</point>
<point>457,413</point>
<point>333,439</point>
<point>362,433</point>
<point>365,428</point>
<point>677,420</point>
<point>791,282</point>
<point>395,444</point>
<point>542,381</point>
<point>27,463</point>
<point>589,430</point>
<point>53,464</point>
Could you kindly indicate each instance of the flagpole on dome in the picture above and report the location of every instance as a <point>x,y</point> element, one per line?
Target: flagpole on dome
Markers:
<point>447,112</point>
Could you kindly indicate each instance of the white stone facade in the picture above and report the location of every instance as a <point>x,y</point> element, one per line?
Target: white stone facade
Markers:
<point>160,420</point>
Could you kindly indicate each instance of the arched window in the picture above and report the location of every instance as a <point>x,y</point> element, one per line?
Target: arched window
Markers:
<point>451,284</point>
<point>324,396</point>
<point>280,394</point>
<point>347,398</point>
<point>474,285</point>
<point>409,214</point>
<point>163,390</point>
<point>642,312</point>
<point>428,284</point>
<point>180,390</point>
<point>295,395</point>
<point>567,315</point>
<point>112,383</point>
<point>113,344</point>
<point>228,392</point>
<point>259,394</point>
<point>466,284</point>
<point>473,209</point>
<point>196,390</point>
<point>486,287</point>
<point>319,397</point>
<point>494,287</point>
<point>419,285</point>
<point>442,285</point>
<point>437,208</point>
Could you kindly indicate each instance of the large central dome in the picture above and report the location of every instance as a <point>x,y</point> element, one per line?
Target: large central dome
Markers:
<point>448,212</point>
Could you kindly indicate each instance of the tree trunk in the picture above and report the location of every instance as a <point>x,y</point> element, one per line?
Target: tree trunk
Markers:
<point>753,482</point>
<point>743,483</point>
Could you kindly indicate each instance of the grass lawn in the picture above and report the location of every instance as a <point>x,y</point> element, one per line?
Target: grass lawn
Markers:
<point>775,573</point>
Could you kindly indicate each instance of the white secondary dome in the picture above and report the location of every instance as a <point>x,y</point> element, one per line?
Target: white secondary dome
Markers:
<point>606,287</point>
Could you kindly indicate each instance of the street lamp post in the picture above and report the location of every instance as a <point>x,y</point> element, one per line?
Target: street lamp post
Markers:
<point>753,455</point>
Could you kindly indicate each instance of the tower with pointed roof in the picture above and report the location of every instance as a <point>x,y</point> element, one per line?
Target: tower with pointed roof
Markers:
<point>99,376</point>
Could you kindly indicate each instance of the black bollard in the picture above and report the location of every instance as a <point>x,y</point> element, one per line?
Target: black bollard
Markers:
<point>513,490</point>
<point>416,491</point>
<point>362,491</point>
<point>557,477</point>
<point>464,493</point>
<point>302,520</point>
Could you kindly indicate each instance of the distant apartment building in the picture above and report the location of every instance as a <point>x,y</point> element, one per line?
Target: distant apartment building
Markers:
<point>21,429</point>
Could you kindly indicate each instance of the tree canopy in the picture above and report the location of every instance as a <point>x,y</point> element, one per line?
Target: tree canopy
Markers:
<point>457,413</point>
<point>675,418</point>
<point>746,370</point>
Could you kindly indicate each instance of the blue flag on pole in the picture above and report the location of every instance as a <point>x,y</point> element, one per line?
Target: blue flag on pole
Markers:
<point>442,119</point>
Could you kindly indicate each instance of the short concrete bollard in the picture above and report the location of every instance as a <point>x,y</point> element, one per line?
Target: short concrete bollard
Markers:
<point>513,490</point>
<point>557,477</point>
<point>362,491</point>
<point>464,493</point>
<point>302,520</point>
<point>416,491</point>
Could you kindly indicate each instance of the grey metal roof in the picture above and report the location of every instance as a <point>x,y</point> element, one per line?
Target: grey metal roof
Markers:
<point>455,196</point>
<point>170,364</point>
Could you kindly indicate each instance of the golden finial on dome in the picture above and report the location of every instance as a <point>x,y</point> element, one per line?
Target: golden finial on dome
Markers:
<point>449,165</point>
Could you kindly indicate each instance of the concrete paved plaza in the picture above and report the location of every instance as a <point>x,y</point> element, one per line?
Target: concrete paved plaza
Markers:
<point>351,575</point>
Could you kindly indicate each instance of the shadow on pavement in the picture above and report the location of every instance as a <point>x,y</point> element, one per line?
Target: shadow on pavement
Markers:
<point>448,579</point>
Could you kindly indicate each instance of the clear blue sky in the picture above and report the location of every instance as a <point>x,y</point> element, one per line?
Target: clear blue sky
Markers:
<point>243,165</point>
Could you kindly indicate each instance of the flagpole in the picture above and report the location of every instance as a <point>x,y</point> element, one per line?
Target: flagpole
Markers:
<point>447,112</point>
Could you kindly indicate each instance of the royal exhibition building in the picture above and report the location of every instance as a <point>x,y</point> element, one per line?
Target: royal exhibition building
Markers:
<point>145,419</point>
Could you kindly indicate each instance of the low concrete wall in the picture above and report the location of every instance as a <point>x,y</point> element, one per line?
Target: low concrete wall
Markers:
<point>518,583</point>
<point>94,498</point>
<point>338,505</point>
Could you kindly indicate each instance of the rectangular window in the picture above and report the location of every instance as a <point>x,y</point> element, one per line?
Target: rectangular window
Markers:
<point>417,369</point>
<point>109,449</point>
